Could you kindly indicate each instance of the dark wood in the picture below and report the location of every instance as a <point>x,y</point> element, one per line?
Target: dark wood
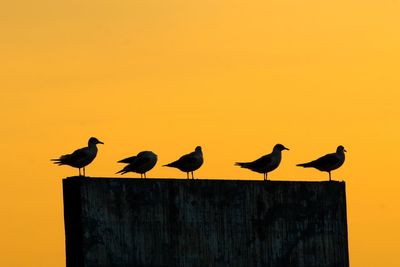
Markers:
<point>73,221</point>
<point>171,222</point>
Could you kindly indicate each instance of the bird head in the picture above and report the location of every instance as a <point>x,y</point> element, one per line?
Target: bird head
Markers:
<point>340,149</point>
<point>280,147</point>
<point>94,141</point>
<point>198,149</point>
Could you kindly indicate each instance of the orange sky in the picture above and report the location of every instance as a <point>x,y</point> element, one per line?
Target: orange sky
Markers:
<point>235,77</point>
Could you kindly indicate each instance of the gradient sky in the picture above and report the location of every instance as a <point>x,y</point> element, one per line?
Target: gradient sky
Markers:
<point>235,77</point>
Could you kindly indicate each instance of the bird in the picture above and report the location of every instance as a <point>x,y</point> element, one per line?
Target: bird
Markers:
<point>188,163</point>
<point>80,158</point>
<point>327,163</point>
<point>141,163</point>
<point>266,163</point>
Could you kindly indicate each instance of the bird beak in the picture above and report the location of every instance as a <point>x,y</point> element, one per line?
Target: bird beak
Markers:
<point>344,150</point>
<point>101,142</point>
<point>287,148</point>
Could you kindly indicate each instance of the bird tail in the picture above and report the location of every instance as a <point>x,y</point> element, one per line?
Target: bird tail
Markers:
<point>172,164</point>
<point>121,172</point>
<point>126,169</point>
<point>241,164</point>
<point>304,165</point>
<point>57,161</point>
<point>63,160</point>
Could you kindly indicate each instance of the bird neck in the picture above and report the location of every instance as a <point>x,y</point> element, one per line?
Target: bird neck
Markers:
<point>92,146</point>
<point>276,152</point>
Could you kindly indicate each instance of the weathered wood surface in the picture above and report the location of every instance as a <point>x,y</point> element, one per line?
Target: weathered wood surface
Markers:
<point>171,222</point>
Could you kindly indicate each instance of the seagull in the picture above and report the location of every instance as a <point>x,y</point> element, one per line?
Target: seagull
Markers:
<point>328,162</point>
<point>266,163</point>
<point>141,163</point>
<point>80,157</point>
<point>188,163</point>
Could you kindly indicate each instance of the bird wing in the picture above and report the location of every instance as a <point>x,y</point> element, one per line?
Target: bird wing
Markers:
<point>73,157</point>
<point>256,164</point>
<point>136,165</point>
<point>325,161</point>
<point>128,160</point>
<point>183,161</point>
<point>187,159</point>
<point>140,161</point>
<point>79,153</point>
<point>264,160</point>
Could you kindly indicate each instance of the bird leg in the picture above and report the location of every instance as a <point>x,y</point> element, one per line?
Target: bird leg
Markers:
<point>79,171</point>
<point>144,174</point>
<point>329,176</point>
<point>187,175</point>
<point>192,176</point>
<point>84,172</point>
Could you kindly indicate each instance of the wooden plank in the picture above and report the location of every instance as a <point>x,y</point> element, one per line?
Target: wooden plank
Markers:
<point>172,222</point>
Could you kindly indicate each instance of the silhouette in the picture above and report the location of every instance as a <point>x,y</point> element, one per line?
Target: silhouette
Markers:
<point>188,163</point>
<point>266,163</point>
<point>141,163</point>
<point>80,157</point>
<point>328,162</point>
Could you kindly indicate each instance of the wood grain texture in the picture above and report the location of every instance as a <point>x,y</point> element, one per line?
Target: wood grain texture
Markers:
<point>171,222</point>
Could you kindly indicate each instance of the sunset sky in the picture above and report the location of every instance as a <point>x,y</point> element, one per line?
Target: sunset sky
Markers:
<point>235,77</point>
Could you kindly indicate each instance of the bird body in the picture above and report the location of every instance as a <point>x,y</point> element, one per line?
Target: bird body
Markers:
<point>266,163</point>
<point>141,163</point>
<point>188,163</point>
<point>327,163</point>
<point>80,158</point>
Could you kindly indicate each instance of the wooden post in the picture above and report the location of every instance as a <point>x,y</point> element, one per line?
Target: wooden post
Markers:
<point>171,222</point>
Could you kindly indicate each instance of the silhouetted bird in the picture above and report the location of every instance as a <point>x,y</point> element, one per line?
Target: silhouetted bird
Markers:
<point>266,163</point>
<point>81,157</point>
<point>328,162</point>
<point>188,163</point>
<point>142,163</point>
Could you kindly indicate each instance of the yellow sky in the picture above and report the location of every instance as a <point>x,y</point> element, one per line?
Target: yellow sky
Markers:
<point>235,77</point>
